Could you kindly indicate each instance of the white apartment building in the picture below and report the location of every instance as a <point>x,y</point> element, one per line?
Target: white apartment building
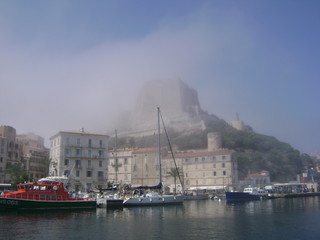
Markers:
<point>82,157</point>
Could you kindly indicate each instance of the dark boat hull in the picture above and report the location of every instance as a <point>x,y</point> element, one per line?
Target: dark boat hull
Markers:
<point>241,196</point>
<point>13,203</point>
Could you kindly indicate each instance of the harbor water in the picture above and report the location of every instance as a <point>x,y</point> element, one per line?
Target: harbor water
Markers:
<point>292,219</point>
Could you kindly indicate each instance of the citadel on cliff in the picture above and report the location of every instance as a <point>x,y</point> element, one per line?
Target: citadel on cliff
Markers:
<point>179,104</point>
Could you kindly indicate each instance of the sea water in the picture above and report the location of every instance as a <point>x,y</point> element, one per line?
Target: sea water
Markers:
<point>292,219</point>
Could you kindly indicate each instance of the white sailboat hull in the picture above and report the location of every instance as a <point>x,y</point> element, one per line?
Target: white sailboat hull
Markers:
<point>154,200</point>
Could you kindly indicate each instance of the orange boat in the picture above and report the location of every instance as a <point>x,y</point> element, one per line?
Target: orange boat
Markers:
<point>45,194</point>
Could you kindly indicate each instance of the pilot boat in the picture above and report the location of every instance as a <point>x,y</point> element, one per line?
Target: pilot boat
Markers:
<point>44,194</point>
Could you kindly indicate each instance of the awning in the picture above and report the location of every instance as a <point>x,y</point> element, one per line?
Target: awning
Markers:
<point>206,188</point>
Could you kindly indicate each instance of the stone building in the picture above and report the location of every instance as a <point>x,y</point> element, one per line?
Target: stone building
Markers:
<point>204,170</point>
<point>82,157</point>
<point>119,166</point>
<point>9,152</point>
<point>145,167</point>
<point>259,179</point>
<point>34,155</point>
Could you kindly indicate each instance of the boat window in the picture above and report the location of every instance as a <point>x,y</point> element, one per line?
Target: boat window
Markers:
<point>43,188</point>
<point>50,187</point>
<point>36,187</point>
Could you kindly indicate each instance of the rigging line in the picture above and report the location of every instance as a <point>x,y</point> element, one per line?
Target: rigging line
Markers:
<point>174,160</point>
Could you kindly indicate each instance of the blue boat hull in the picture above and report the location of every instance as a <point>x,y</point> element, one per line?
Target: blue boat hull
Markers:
<point>241,196</point>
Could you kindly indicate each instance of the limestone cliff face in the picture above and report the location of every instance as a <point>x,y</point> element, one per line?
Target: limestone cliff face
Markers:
<point>178,102</point>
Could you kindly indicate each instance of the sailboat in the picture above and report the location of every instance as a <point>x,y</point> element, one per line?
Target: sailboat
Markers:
<point>154,198</point>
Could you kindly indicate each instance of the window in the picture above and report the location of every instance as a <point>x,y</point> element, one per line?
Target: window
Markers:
<point>67,152</point>
<point>66,162</point>
<point>90,142</point>
<point>89,164</point>
<point>100,163</point>
<point>196,159</point>
<point>78,152</point>
<point>78,141</point>
<point>77,173</point>
<point>224,173</point>
<point>89,153</point>
<point>100,153</point>
<point>78,163</point>
<point>125,168</point>
<point>223,165</point>
<point>68,140</point>
<point>214,173</point>
<point>100,143</point>
<point>125,161</point>
<point>89,173</point>
<point>223,157</point>
<point>213,158</point>
<point>214,165</point>
<point>100,174</point>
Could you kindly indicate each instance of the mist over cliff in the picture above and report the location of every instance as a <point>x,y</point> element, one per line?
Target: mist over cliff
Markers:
<point>179,104</point>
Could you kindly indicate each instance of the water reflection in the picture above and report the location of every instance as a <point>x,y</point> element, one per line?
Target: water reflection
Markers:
<point>207,219</point>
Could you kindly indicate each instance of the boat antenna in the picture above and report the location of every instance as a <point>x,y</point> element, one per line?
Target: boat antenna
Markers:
<point>174,160</point>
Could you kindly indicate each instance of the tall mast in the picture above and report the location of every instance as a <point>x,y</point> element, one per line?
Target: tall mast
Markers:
<point>159,156</point>
<point>116,157</point>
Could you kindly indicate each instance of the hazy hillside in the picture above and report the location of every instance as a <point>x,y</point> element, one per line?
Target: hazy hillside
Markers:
<point>188,126</point>
<point>256,151</point>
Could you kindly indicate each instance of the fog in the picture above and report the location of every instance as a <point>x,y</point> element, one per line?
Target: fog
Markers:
<point>71,65</point>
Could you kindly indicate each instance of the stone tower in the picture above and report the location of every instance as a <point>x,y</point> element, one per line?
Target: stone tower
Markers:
<point>214,141</point>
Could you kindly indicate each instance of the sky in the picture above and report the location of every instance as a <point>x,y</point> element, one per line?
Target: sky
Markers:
<point>70,64</point>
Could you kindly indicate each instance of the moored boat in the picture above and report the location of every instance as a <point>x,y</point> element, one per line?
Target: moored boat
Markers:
<point>45,194</point>
<point>153,199</point>
<point>248,194</point>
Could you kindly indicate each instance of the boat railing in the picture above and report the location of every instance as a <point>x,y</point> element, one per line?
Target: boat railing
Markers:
<point>43,197</point>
